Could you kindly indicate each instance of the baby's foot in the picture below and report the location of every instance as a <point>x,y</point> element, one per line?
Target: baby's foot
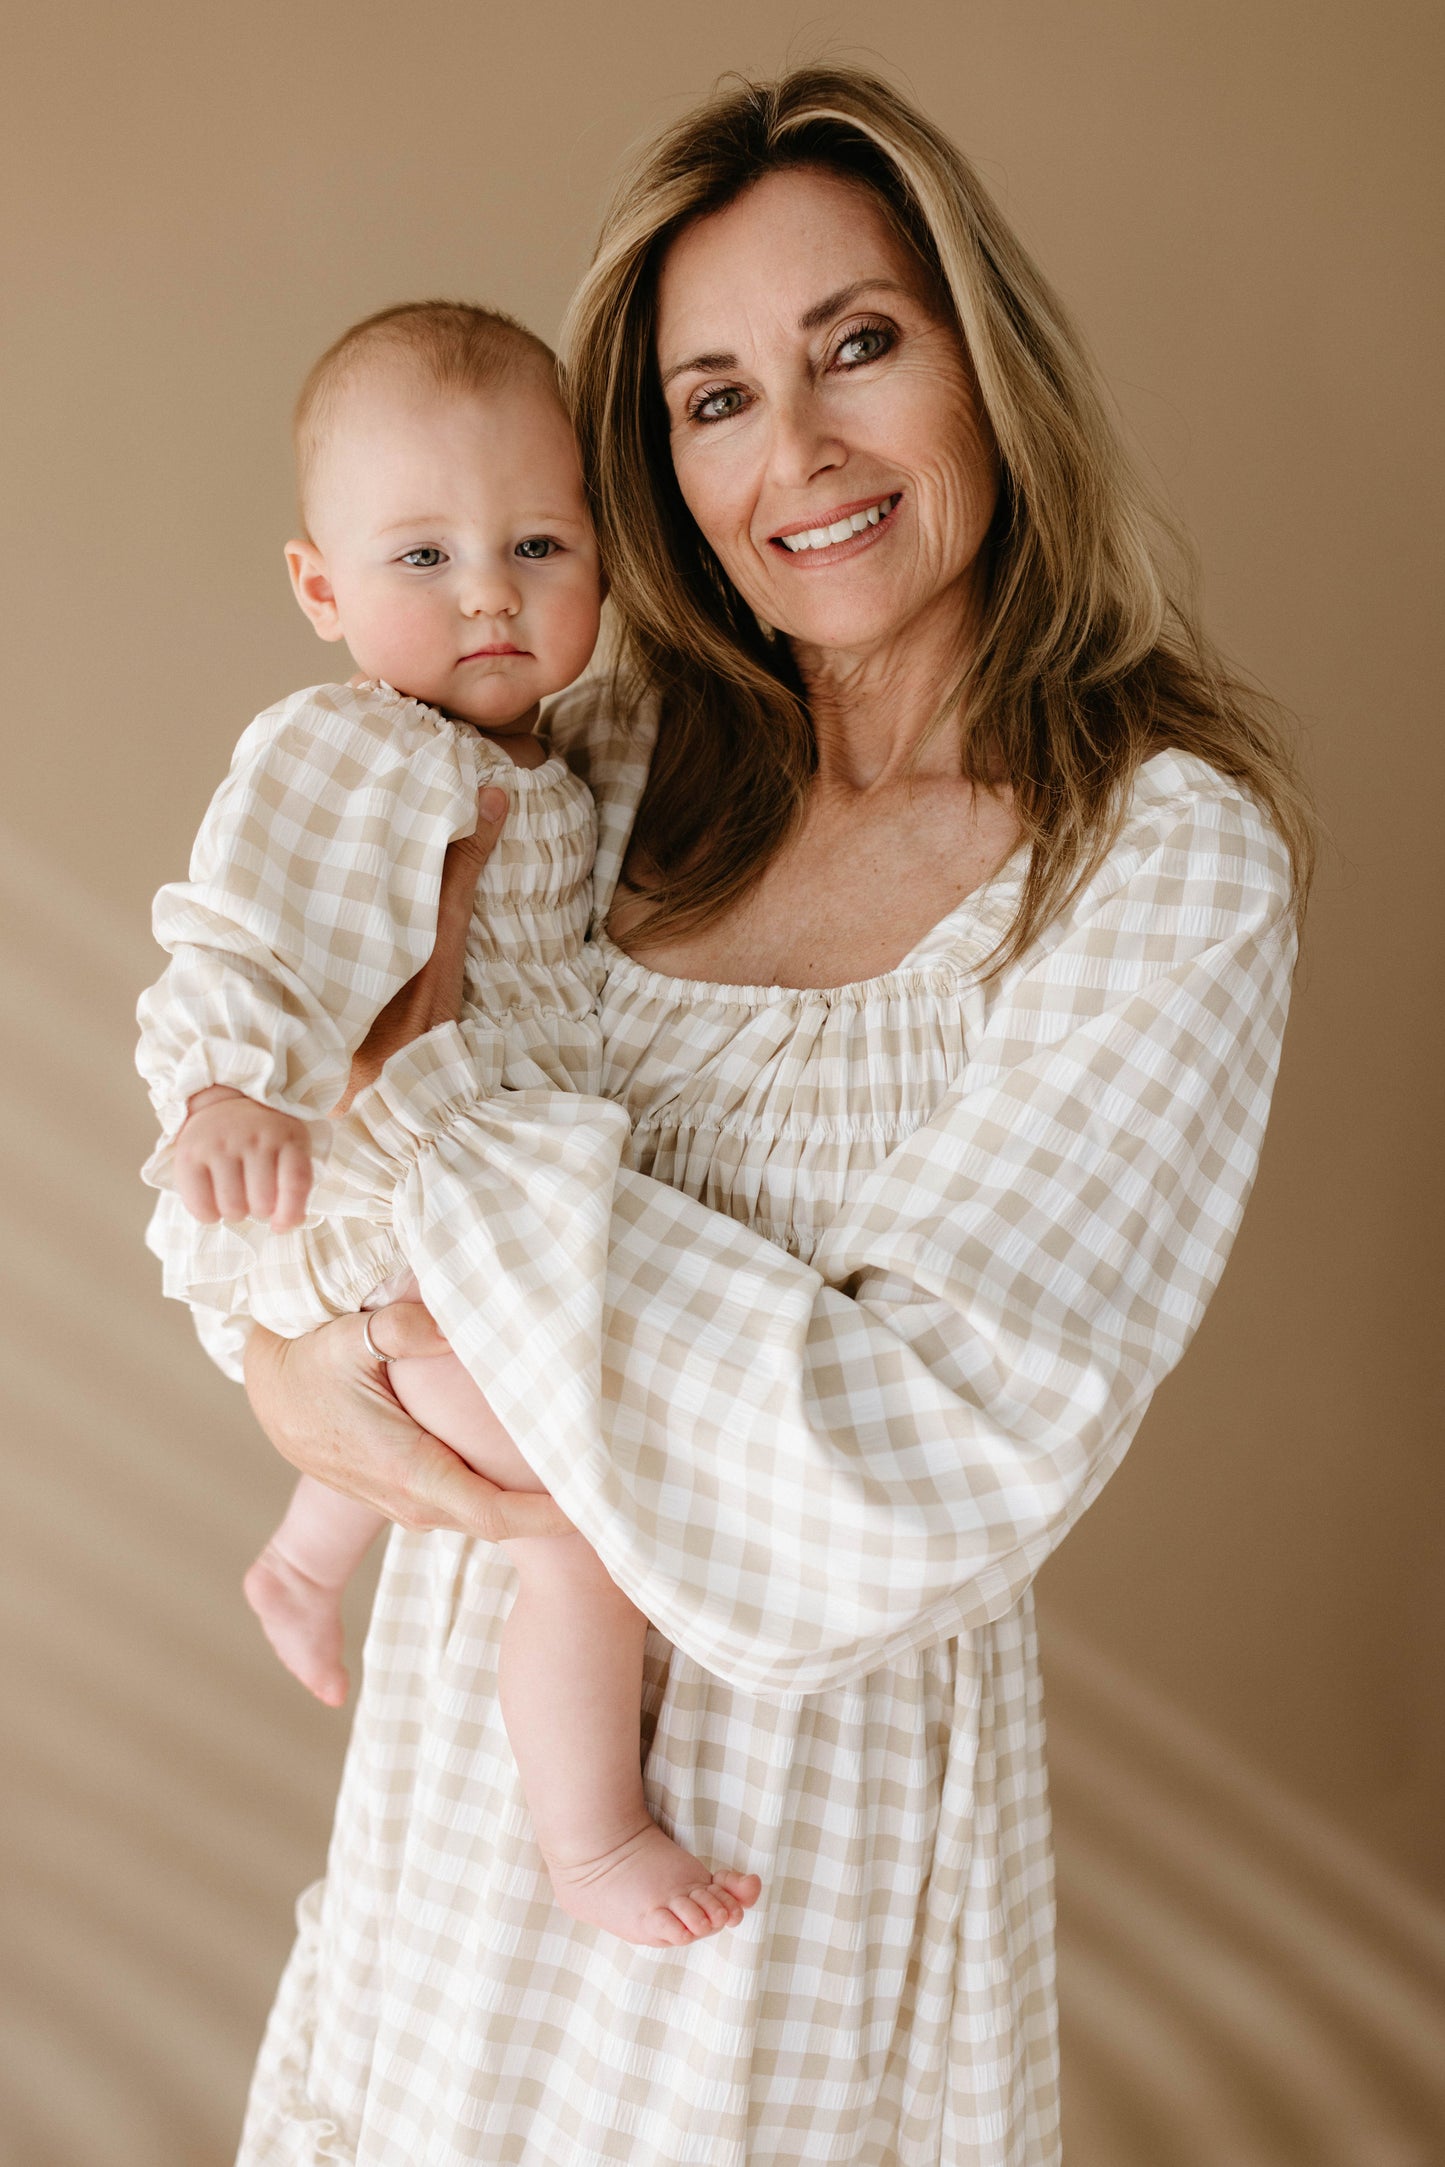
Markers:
<point>649,1890</point>
<point>302,1621</point>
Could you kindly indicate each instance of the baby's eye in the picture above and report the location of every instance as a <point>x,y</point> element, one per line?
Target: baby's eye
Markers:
<point>536,547</point>
<point>716,405</point>
<point>869,343</point>
<point>423,560</point>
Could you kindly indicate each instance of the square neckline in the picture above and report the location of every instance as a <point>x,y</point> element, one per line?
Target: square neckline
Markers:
<point>615,835</point>
<point>916,965</point>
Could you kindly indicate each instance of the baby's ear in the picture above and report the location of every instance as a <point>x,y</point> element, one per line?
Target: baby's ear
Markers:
<point>312,588</point>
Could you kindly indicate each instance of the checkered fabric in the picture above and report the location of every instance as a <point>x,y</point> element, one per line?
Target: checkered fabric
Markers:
<point>312,899</point>
<point>824,1318</point>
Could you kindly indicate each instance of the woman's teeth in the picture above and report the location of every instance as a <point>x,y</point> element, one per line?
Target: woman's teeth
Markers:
<point>841,530</point>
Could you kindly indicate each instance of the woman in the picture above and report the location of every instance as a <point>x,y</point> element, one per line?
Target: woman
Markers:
<point>947,906</point>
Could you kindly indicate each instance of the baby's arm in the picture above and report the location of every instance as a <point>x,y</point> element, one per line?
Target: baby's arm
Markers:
<point>311,900</point>
<point>235,1159</point>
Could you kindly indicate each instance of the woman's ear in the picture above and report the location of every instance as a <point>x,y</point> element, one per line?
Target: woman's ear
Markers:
<point>312,588</point>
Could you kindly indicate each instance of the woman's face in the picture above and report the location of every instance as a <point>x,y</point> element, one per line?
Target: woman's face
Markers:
<point>826,429</point>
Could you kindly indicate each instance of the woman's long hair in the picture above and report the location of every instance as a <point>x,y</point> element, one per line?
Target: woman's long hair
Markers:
<point>1091,655</point>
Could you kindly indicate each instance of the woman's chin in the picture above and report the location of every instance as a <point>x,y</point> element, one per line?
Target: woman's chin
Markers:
<point>843,626</point>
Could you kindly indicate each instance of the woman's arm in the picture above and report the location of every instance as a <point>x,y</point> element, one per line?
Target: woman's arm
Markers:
<point>800,1471</point>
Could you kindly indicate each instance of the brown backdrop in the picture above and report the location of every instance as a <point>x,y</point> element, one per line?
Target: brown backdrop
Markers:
<point>1244,1637</point>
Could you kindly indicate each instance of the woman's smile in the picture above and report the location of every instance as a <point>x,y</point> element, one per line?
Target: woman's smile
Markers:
<point>843,532</point>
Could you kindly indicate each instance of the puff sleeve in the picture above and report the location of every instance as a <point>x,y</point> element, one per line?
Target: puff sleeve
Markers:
<point>800,1471</point>
<point>312,899</point>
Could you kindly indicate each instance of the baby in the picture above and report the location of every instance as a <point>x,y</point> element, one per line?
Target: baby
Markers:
<point>446,540</point>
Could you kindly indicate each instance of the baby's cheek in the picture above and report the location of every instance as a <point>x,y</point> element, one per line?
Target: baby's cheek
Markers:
<point>575,628</point>
<point>406,646</point>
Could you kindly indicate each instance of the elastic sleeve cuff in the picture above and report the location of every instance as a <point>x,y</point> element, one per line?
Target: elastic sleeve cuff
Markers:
<point>251,1070</point>
<point>421,1093</point>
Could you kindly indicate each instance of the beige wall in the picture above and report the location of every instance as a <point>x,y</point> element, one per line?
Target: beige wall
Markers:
<point>1245,1635</point>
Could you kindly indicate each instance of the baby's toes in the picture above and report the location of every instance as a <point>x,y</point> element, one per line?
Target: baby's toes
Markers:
<point>665,1930</point>
<point>745,1888</point>
<point>331,1687</point>
<point>719,1908</point>
<point>690,1911</point>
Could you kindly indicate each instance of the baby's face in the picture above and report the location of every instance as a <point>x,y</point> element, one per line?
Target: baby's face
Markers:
<point>451,547</point>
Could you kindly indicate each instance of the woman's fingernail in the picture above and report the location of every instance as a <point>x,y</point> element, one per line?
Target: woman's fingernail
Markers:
<point>492,804</point>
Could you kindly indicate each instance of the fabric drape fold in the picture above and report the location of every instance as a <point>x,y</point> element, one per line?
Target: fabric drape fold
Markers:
<point>800,1470</point>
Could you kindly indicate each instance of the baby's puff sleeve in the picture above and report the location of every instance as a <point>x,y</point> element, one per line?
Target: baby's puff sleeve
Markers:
<point>801,1471</point>
<point>312,899</point>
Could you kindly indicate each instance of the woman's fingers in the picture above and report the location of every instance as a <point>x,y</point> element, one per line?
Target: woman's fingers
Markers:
<point>406,1329</point>
<point>466,858</point>
<point>435,994</point>
<point>327,1407</point>
<point>528,1512</point>
<point>448,1493</point>
<point>441,1489</point>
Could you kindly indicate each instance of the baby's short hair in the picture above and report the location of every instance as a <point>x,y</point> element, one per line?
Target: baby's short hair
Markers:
<point>453,345</point>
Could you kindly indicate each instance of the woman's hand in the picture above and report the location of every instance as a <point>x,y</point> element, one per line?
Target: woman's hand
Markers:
<point>326,1406</point>
<point>435,994</point>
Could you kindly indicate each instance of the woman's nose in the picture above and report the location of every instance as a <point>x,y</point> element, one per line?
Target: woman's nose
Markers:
<point>804,442</point>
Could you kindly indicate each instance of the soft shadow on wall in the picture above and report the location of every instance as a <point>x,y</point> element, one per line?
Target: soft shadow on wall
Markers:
<point>1242,1639</point>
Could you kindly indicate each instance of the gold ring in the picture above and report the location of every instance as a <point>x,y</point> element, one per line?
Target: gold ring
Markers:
<point>370,1344</point>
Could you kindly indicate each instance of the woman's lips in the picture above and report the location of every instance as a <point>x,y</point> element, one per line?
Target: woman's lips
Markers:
<point>818,541</point>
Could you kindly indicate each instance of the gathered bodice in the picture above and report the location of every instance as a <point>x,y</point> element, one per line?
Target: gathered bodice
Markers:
<point>771,1102</point>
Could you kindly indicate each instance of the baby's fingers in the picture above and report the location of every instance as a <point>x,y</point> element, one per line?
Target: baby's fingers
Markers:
<point>293,1186</point>
<point>193,1187</point>
<point>228,1179</point>
<point>259,1170</point>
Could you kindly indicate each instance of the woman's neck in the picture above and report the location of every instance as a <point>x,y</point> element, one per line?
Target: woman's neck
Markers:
<point>873,708</point>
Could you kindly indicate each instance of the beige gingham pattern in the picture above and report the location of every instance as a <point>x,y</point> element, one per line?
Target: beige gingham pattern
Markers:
<point>312,898</point>
<point>823,1319</point>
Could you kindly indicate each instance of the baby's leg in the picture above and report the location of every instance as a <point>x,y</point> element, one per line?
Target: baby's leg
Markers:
<point>295,1585</point>
<point>570,1682</point>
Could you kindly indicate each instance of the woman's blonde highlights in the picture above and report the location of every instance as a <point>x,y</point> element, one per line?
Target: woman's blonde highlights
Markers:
<point>1091,654</point>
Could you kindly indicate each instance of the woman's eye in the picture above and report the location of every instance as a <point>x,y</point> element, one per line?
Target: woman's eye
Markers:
<point>868,344</point>
<point>422,560</point>
<point>716,405</point>
<point>536,547</point>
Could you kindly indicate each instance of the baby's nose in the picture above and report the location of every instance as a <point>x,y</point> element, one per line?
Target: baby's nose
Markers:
<point>491,594</point>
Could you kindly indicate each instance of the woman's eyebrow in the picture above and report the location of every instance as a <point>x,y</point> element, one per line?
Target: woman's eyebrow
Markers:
<point>810,320</point>
<point>818,314</point>
<point>703,362</point>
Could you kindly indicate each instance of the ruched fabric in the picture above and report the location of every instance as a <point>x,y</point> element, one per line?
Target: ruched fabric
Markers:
<point>824,1315</point>
<point>312,899</point>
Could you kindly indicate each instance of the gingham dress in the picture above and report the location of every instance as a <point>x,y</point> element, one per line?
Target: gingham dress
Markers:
<point>312,898</point>
<point>823,1319</point>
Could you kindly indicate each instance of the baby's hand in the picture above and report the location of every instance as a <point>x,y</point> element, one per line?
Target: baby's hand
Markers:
<point>238,1160</point>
